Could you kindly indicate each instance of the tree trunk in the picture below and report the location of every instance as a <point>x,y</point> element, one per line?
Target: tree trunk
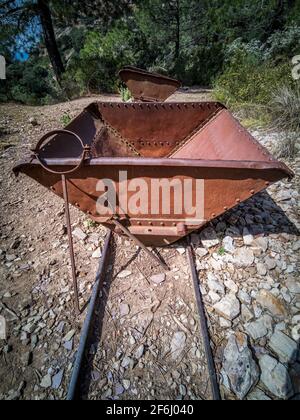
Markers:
<point>276,21</point>
<point>177,43</point>
<point>49,38</point>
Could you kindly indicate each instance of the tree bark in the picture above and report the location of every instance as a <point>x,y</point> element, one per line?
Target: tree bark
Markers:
<point>50,39</point>
<point>177,43</point>
<point>276,21</point>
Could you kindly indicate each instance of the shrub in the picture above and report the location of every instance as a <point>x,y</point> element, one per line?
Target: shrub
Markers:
<point>65,119</point>
<point>125,94</point>
<point>249,79</point>
<point>29,83</point>
<point>288,145</point>
<point>285,110</point>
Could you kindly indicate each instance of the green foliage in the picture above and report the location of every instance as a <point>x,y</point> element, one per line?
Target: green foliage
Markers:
<point>28,83</point>
<point>221,251</point>
<point>101,58</point>
<point>254,71</point>
<point>65,119</point>
<point>125,94</point>
<point>246,81</point>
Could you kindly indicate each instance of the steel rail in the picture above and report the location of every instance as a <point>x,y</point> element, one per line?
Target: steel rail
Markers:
<point>75,378</point>
<point>204,328</point>
<point>73,391</point>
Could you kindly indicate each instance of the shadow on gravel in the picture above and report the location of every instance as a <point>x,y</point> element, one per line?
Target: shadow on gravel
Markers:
<point>128,263</point>
<point>261,215</point>
<point>294,374</point>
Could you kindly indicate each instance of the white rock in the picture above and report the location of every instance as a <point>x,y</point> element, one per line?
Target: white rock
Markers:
<point>126,384</point>
<point>182,390</point>
<point>229,307</point>
<point>97,254</point>
<point>247,237</point>
<point>271,263</point>
<point>214,296</point>
<point>178,344</point>
<point>261,269</point>
<point>216,265</point>
<point>239,366</point>
<point>181,251</point>
<point>158,278</point>
<point>126,362</point>
<point>124,274</point>
<point>124,309</point>
<point>228,244</point>
<point>296,333</point>
<point>214,284</point>
<point>69,336</point>
<point>284,347</point>
<point>296,320</point>
<point>33,121</point>
<point>280,327</point>
<point>224,323</point>
<point>293,285</point>
<point>296,246</point>
<point>3,330</point>
<point>247,315</point>
<point>79,234</point>
<point>139,352</point>
<point>261,244</point>
<point>243,257</point>
<point>202,252</point>
<point>244,297</point>
<point>275,377</point>
<point>256,329</point>
<point>46,381</point>
<point>284,195</point>
<point>10,257</point>
<point>258,395</point>
<point>209,238</point>
<point>231,286</point>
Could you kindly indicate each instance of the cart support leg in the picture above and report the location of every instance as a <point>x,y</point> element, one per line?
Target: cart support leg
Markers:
<point>140,244</point>
<point>71,247</point>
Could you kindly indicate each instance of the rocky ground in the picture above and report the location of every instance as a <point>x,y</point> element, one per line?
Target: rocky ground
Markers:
<point>148,344</point>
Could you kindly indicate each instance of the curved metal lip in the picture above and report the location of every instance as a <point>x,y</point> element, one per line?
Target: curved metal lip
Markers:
<point>165,162</point>
<point>136,70</point>
<point>156,105</point>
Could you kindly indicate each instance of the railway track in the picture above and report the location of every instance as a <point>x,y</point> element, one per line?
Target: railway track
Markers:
<point>171,311</point>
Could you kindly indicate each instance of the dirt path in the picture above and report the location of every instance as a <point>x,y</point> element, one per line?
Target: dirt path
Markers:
<point>253,259</point>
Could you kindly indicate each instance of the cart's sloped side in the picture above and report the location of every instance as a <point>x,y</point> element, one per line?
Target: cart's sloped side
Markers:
<point>223,138</point>
<point>156,130</point>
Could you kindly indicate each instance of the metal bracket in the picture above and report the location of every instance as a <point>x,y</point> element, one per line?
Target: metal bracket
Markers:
<point>139,243</point>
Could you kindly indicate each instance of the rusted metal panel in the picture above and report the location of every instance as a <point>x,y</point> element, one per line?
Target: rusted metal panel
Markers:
<point>148,87</point>
<point>154,141</point>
